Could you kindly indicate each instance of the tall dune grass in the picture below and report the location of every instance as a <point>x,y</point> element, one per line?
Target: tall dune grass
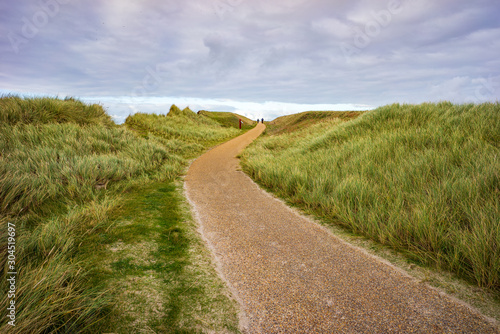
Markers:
<point>183,125</point>
<point>63,166</point>
<point>229,119</point>
<point>424,179</point>
<point>43,110</point>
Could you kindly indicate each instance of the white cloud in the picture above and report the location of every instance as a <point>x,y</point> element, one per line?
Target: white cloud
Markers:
<point>332,27</point>
<point>451,89</point>
<point>255,50</point>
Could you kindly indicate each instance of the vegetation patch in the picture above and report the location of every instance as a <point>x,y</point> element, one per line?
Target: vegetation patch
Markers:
<point>423,179</point>
<point>291,123</point>
<point>65,167</point>
<point>156,265</point>
<point>229,119</point>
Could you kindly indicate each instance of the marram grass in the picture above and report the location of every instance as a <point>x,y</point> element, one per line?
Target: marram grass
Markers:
<point>63,167</point>
<point>43,110</point>
<point>424,179</point>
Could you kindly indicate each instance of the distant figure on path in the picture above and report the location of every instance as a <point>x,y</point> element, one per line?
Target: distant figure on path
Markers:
<point>262,121</point>
<point>257,121</point>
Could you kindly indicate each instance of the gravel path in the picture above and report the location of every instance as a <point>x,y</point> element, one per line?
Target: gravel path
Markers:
<point>291,275</point>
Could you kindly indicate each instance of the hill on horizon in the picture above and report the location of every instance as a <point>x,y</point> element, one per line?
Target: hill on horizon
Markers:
<point>228,119</point>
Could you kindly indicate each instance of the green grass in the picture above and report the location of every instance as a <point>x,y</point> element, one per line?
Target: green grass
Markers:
<point>423,179</point>
<point>44,110</point>
<point>64,167</point>
<point>181,129</point>
<point>155,265</point>
<point>229,119</point>
<point>291,123</point>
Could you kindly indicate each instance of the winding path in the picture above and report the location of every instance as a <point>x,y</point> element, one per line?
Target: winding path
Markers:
<point>291,275</point>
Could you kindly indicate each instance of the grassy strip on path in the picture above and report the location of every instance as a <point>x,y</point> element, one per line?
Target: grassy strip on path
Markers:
<point>422,179</point>
<point>158,268</point>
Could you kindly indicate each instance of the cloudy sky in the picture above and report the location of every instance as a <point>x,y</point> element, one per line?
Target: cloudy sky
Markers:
<point>262,58</point>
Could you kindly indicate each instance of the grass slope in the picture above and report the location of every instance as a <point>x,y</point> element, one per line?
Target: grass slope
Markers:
<point>228,119</point>
<point>423,179</point>
<point>64,167</point>
<point>291,123</point>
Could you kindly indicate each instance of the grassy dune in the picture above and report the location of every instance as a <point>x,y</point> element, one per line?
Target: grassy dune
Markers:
<point>229,119</point>
<point>423,179</point>
<point>64,169</point>
<point>18,110</point>
<point>291,123</point>
<point>181,127</point>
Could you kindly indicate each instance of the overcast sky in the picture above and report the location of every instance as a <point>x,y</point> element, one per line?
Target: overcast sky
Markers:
<point>262,58</point>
